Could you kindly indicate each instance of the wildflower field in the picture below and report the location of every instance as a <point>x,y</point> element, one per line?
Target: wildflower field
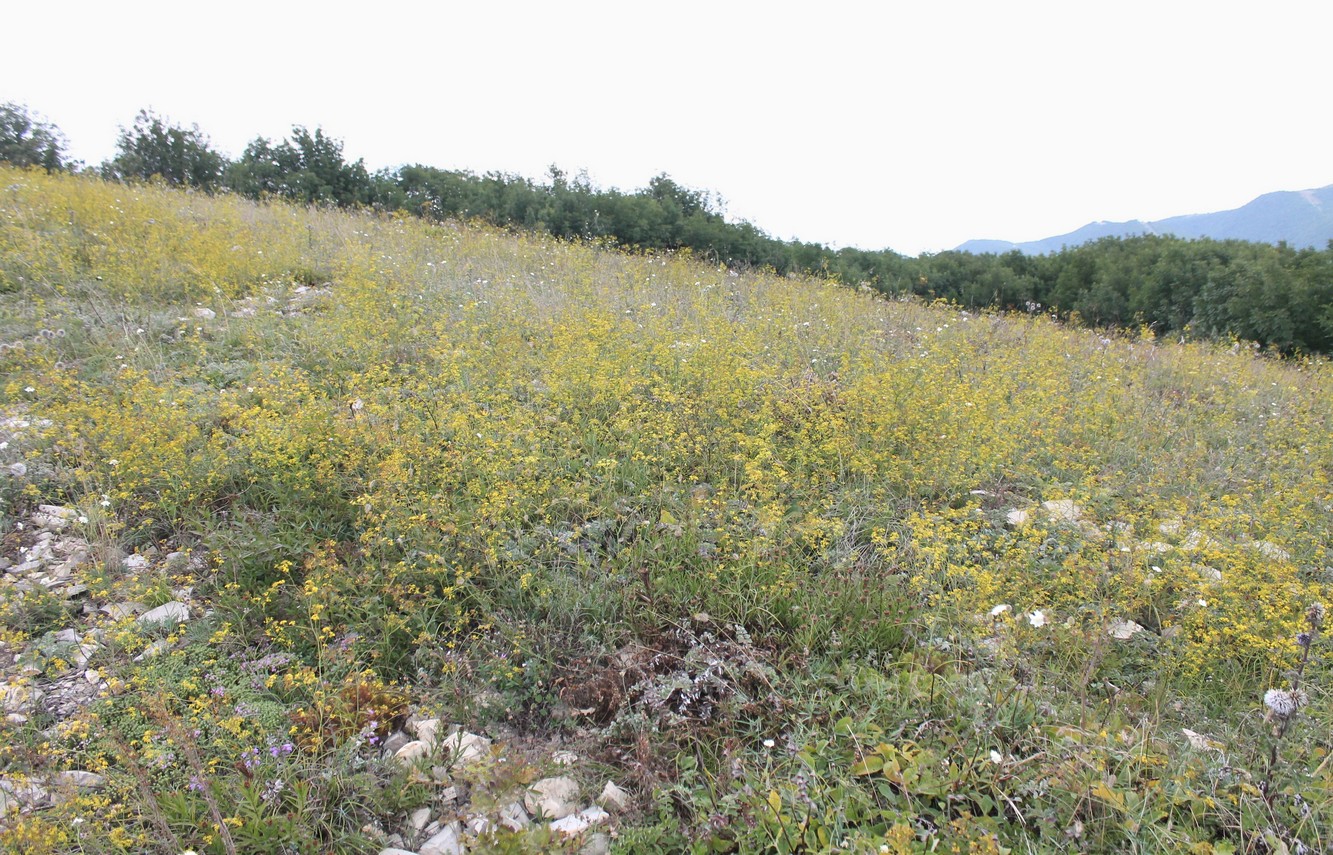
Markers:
<point>790,566</point>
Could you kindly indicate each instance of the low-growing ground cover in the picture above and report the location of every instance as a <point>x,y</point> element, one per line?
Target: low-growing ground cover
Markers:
<point>798,568</point>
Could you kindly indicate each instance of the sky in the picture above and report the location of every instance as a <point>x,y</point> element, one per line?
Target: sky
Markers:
<point>913,126</point>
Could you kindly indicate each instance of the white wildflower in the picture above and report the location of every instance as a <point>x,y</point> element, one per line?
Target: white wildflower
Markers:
<point>1284,703</point>
<point>999,610</point>
<point>1037,618</point>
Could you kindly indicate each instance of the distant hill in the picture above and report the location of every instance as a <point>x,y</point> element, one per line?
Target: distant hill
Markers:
<point>1302,218</point>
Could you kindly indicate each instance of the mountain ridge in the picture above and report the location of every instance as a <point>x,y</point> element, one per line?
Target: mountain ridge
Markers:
<point>1301,218</point>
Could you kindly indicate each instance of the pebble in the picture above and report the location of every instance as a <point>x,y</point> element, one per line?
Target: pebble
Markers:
<point>1063,510</point>
<point>581,821</point>
<point>173,612</point>
<point>418,819</point>
<point>394,741</point>
<point>426,730</point>
<point>513,817</point>
<point>82,779</point>
<point>552,798</point>
<point>411,751</point>
<point>1124,629</point>
<point>122,610</point>
<point>467,748</point>
<point>613,798</point>
<point>446,842</point>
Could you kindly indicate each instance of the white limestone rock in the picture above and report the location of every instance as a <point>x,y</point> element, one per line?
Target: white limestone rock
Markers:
<point>168,613</point>
<point>613,798</point>
<point>448,841</point>
<point>553,798</point>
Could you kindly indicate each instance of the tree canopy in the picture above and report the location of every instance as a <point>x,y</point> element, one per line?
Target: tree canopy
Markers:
<point>28,140</point>
<point>1277,296</point>
<point>155,148</point>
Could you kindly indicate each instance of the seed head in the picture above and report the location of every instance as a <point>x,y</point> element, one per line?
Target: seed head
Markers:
<point>1283,703</point>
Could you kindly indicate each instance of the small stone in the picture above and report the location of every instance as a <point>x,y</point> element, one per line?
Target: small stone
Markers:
<point>393,851</point>
<point>1200,742</point>
<point>81,779</point>
<point>552,798</point>
<point>447,842</point>
<point>93,676</point>
<point>167,613</point>
<point>1124,629</point>
<point>68,636</point>
<point>135,562</point>
<point>613,798</point>
<point>580,822</point>
<point>418,819</point>
<point>467,748</point>
<point>411,751</point>
<point>50,522</point>
<point>1271,550</point>
<point>75,590</point>
<point>426,730</point>
<point>449,795</point>
<point>1196,540</point>
<point>30,795</point>
<point>157,648</point>
<point>83,654</point>
<point>18,698</point>
<point>1063,510</point>
<point>478,824</point>
<point>1017,518</point>
<point>123,610</point>
<point>513,817</point>
<point>564,758</point>
<point>204,313</point>
<point>394,741</point>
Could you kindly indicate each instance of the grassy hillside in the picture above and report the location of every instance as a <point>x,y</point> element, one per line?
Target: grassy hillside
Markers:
<point>796,567</point>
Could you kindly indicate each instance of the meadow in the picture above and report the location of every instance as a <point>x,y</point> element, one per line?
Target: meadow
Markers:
<point>796,567</point>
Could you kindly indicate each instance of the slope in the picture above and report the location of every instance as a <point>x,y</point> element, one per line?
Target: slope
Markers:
<point>291,494</point>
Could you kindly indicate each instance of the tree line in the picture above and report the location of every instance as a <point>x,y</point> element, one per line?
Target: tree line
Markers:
<point>1276,296</point>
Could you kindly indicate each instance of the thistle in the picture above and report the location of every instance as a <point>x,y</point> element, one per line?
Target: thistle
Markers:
<point>1284,704</point>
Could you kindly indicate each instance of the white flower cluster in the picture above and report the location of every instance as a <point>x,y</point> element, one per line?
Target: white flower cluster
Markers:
<point>1285,702</point>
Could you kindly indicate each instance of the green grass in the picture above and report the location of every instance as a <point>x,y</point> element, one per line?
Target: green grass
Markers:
<point>741,542</point>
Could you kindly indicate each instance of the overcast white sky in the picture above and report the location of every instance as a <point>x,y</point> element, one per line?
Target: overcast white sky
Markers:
<point>913,125</point>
